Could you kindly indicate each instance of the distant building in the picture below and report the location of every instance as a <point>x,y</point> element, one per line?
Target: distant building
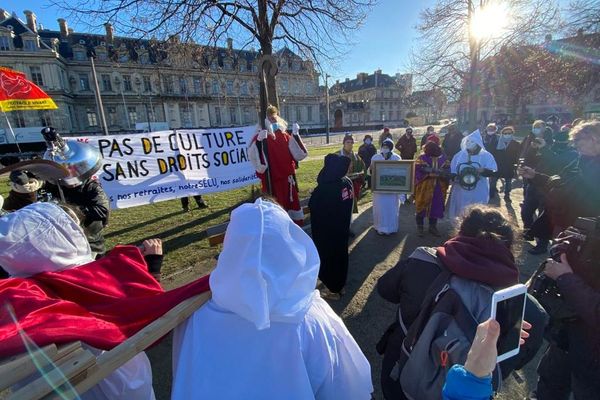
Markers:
<point>370,99</point>
<point>142,81</point>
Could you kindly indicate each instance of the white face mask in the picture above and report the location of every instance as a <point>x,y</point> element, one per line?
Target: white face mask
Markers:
<point>507,137</point>
<point>368,141</point>
<point>490,132</point>
<point>385,150</point>
<point>536,131</point>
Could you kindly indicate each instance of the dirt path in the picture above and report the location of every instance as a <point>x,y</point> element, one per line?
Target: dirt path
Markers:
<point>364,312</point>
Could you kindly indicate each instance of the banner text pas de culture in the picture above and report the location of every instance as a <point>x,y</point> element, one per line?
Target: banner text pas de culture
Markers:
<point>149,167</point>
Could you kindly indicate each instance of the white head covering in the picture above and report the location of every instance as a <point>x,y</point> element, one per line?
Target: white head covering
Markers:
<point>268,268</point>
<point>474,137</point>
<point>41,237</point>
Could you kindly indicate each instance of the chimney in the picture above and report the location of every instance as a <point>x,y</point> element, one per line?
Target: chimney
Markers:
<point>109,32</point>
<point>64,30</point>
<point>230,43</point>
<point>4,14</point>
<point>31,20</point>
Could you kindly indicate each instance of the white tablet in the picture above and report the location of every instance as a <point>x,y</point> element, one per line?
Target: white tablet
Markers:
<point>508,308</point>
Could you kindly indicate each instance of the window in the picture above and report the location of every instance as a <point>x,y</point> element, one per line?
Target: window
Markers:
<point>84,83</point>
<point>132,115</point>
<point>101,55</point>
<point>246,115</point>
<point>197,85</point>
<point>244,88</point>
<point>229,87</point>
<point>36,76</point>
<point>123,56</point>
<point>19,118</point>
<point>183,85</point>
<point>309,87</point>
<point>144,59</point>
<point>309,113</point>
<point>185,115</point>
<point>112,115</point>
<point>45,119</point>
<point>29,45</point>
<point>169,85</point>
<point>232,115</point>
<point>242,65</point>
<point>92,118</point>
<point>79,55</point>
<point>147,84</point>
<point>127,83</point>
<point>215,87</point>
<point>298,114</point>
<point>218,115</point>
<point>106,83</point>
<point>5,43</point>
<point>284,85</point>
<point>227,65</point>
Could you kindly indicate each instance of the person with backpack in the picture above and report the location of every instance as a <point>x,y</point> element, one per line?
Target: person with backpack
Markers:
<point>461,274</point>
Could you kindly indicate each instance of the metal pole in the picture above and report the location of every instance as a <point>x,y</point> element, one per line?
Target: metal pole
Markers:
<point>11,131</point>
<point>327,106</point>
<point>92,56</point>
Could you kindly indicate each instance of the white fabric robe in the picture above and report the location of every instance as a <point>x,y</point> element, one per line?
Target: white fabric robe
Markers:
<point>386,206</point>
<point>461,198</point>
<point>266,333</point>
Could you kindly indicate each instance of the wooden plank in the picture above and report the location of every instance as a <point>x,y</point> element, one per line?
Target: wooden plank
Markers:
<point>217,229</point>
<point>71,365</point>
<point>109,361</point>
<point>21,366</point>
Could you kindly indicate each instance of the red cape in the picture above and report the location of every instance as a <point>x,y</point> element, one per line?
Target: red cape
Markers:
<point>101,303</point>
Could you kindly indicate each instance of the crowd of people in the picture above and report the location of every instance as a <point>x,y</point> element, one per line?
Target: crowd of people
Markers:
<point>267,332</point>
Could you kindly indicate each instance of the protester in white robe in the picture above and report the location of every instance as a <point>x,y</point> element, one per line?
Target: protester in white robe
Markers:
<point>266,333</point>
<point>52,240</point>
<point>472,149</point>
<point>386,206</point>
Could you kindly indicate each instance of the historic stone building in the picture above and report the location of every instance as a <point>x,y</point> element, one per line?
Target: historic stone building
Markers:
<point>370,99</point>
<point>170,84</point>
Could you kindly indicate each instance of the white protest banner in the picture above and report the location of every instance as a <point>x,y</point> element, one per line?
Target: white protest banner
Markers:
<point>149,167</point>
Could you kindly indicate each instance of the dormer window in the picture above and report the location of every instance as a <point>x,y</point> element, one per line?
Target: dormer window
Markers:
<point>5,43</point>
<point>30,45</point>
<point>79,55</point>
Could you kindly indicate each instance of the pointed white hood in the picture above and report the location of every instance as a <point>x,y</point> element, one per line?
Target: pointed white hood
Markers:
<point>268,268</point>
<point>41,237</point>
<point>474,137</point>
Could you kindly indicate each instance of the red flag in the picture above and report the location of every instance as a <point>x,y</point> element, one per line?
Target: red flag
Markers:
<point>18,93</point>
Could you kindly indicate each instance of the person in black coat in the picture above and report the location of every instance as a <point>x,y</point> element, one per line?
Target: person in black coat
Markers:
<point>330,212</point>
<point>451,143</point>
<point>92,201</point>
<point>480,252</point>
<point>506,154</point>
<point>366,151</point>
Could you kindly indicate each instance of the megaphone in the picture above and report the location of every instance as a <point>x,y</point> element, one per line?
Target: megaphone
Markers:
<point>80,159</point>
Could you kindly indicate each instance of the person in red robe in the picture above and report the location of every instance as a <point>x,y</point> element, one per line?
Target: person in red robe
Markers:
<point>276,167</point>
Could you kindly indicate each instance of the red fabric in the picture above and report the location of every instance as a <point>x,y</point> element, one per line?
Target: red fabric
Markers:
<point>483,260</point>
<point>101,303</point>
<point>433,138</point>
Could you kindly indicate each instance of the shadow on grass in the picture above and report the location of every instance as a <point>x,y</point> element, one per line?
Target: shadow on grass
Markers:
<point>132,228</point>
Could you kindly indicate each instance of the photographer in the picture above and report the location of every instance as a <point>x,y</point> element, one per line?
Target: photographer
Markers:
<point>575,368</point>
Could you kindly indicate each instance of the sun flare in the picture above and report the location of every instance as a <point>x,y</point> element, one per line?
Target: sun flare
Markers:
<point>489,22</point>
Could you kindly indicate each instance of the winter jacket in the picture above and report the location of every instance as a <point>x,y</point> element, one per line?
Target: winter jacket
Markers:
<point>463,385</point>
<point>407,146</point>
<point>94,204</point>
<point>451,144</point>
<point>506,159</point>
<point>366,152</point>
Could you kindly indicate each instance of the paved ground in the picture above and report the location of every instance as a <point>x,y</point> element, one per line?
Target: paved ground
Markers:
<point>364,312</point>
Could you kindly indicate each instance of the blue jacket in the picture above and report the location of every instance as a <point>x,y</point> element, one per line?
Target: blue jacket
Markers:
<point>463,385</point>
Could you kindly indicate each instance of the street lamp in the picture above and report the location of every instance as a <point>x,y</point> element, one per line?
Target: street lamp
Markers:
<point>327,105</point>
<point>91,53</point>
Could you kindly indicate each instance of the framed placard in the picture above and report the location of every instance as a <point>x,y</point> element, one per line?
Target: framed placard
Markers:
<point>393,176</point>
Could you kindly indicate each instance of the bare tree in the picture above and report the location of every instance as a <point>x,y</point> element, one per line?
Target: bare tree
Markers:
<point>449,53</point>
<point>583,14</point>
<point>318,30</point>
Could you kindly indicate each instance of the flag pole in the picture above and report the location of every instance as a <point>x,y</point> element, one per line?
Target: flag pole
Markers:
<point>11,131</point>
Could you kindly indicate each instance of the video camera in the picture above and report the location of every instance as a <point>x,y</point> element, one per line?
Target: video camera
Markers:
<point>581,244</point>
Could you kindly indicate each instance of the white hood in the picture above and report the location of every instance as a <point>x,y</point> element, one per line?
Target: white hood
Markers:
<point>475,137</point>
<point>41,237</point>
<point>268,268</point>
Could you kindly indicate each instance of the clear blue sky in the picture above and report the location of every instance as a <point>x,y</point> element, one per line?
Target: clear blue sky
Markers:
<point>383,42</point>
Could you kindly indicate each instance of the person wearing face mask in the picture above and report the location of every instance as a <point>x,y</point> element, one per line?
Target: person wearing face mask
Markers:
<point>366,151</point>
<point>407,145</point>
<point>473,157</point>
<point>386,206</point>
<point>356,169</point>
<point>431,185</point>
<point>451,144</point>
<point>506,155</point>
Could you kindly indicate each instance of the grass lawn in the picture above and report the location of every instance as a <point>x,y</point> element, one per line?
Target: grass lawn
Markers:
<point>183,234</point>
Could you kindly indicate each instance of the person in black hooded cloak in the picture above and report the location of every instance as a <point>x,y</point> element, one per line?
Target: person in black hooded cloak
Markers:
<point>330,209</point>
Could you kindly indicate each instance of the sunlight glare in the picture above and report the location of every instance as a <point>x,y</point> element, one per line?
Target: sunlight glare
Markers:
<point>489,22</point>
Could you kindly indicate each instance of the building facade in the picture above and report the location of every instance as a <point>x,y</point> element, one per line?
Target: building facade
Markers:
<point>146,83</point>
<point>370,99</point>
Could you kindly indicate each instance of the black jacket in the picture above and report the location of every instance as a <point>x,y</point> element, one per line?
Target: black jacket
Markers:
<point>92,201</point>
<point>406,285</point>
<point>506,159</point>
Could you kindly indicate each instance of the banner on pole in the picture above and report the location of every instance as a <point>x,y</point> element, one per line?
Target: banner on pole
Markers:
<point>18,93</point>
<point>150,167</point>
